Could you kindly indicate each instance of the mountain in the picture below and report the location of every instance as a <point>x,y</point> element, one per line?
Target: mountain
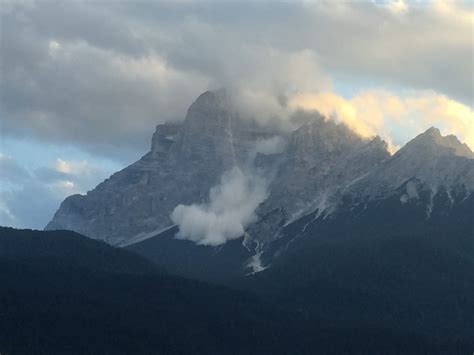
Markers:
<point>184,162</point>
<point>320,157</point>
<point>356,236</point>
<point>346,236</point>
<point>109,301</point>
<point>321,171</point>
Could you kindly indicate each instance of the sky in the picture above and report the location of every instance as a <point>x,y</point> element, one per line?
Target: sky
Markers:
<point>83,83</point>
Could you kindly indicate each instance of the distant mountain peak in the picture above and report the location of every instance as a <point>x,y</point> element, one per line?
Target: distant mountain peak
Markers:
<point>216,98</point>
<point>433,142</point>
<point>433,132</point>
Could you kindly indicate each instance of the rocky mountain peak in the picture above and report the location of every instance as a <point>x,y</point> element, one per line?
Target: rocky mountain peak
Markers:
<point>208,107</point>
<point>322,138</point>
<point>211,99</point>
<point>433,132</point>
<point>435,160</point>
<point>431,142</point>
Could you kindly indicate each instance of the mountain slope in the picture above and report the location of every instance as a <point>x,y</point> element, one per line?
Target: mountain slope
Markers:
<point>220,264</point>
<point>415,275</point>
<point>57,298</point>
<point>66,248</point>
<point>84,307</point>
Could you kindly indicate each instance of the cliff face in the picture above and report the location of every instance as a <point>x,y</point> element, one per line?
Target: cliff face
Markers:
<point>184,162</point>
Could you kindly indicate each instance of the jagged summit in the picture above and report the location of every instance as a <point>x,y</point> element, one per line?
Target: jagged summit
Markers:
<point>432,142</point>
<point>435,161</point>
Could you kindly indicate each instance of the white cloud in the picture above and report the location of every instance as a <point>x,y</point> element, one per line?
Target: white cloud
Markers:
<point>231,208</point>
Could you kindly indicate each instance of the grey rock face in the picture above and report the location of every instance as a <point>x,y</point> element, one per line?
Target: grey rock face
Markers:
<point>184,162</point>
<point>322,159</point>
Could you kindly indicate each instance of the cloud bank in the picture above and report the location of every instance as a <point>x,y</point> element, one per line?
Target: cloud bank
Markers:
<point>100,74</point>
<point>231,208</point>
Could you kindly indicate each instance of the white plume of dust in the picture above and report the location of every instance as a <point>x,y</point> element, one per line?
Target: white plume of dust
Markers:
<point>231,208</point>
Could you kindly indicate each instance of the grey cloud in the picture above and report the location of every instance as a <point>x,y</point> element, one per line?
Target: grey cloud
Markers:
<point>100,97</point>
<point>120,68</point>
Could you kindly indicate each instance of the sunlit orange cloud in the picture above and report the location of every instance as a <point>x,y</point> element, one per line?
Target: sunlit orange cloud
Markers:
<point>395,118</point>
